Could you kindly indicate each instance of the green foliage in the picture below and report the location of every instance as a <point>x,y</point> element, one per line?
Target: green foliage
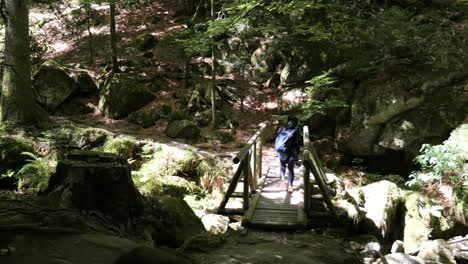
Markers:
<point>439,163</point>
<point>323,95</point>
<point>34,176</point>
<point>124,146</point>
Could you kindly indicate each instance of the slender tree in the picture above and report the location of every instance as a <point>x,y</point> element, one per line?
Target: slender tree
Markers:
<point>113,37</point>
<point>213,72</point>
<point>90,34</point>
<point>17,103</point>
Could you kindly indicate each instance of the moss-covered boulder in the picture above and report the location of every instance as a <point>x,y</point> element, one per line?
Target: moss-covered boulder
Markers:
<point>182,129</point>
<point>144,117</point>
<point>381,203</point>
<point>417,227</point>
<point>437,251</point>
<point>53,85</point>
<point>146,42</point>
<point>397,109</point>
<point>85,82</point>
<point>264,60</point>
<point>123,146</point>
<point>147,255</point>
<point>120,95</point>
<point>174,221</point>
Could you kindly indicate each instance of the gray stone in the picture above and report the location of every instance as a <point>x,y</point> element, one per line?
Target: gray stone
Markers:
<point>437,251</point>
<point>400,258</point>
<point>53,85</point>
<point>120,95</point>
<point>381,202</point>
<point>144,117</point>
<point>85,82</point>
<point>147,255</point>
<point>182,129</point>
<point>397,247</point>
<point>216,224</point>
<point>417,228</point>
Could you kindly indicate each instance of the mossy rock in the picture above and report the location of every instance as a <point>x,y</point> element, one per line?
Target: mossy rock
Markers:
<point>121,95</point>
<point>53,85</point>
<point>11,150</point>
<point>126,147</point>
<point>182,129</point>
<point>180,222</point>
<point>85,82</point>
<point>144,117</point>
<point>222,136</point>
<point>146,42</point>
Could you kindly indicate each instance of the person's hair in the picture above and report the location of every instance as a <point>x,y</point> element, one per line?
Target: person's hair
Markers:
<point>292,121</point>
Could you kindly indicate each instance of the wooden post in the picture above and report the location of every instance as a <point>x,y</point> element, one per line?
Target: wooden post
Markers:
<point>253,156</point>
<point>306,188</point>
<point>260,156</point>
<point>232,186</point>
<point>246,193</point>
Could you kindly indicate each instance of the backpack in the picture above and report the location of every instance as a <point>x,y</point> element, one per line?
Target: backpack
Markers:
<point>283,139</point>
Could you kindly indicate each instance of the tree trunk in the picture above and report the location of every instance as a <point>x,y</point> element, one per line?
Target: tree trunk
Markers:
<point>213,75</point>
<point>90,36</point>
<point>113,36</point>
<point>17,103</point>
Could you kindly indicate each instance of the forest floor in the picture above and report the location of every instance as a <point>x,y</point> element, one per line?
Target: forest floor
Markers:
<point>69,46</point>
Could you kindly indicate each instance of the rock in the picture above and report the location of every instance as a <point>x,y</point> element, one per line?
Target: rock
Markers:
<point>381,202</point>
<point>147,255</point>
<point>120,95</point>
<point>53,85</point>
<point>236,226</point>
<point>419,114</point>
<point>292,99</point>
<point>460,251</point>
<point>96,181</point>
<point>146,42</point>
<point>75,106</point>
<point>459,140</point>
<point>180,224</point>
<point>397,247</point>
<point>417,228</point>
<point>144,117</point>
<point>216,224</point>
<point>400,258</point>
<point>182,129</point>
<point>264,61</point>
<point>437,251</point>
<point>66,248</point>
<point>85,83</point>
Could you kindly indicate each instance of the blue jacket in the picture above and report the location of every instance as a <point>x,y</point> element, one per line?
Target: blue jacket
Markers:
<point>293,146</point>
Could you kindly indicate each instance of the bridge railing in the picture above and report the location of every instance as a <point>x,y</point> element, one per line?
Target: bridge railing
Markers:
<point>312,164</point>
<point>249,169</point>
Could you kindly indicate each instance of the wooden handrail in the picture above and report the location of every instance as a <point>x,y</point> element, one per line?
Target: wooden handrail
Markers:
<point>241,154</point>
<point>249,159</point>
<point>312,164</point>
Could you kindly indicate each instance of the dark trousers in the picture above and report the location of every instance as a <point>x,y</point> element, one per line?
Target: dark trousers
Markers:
<point>289,162</point>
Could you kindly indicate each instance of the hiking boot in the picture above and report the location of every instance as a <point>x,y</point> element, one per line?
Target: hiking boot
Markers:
<point>290,189</point>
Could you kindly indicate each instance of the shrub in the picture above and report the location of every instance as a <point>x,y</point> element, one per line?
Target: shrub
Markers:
<point>34,176</point>
<point>439,164</point>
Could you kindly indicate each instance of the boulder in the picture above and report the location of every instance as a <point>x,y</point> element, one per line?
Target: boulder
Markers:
<point>120,95</point>
<point>96,181</point>
<point>147,255</point>
<point>179,222</point>
<point>399,258</point>
<point>389,116</point>
<point>144,117</point>
<point>75,106</point>
<point>85,83</point>
<point>381,203</point>
<point>459,246</point>
<point>146,42</point>
<point>437,251</point>
<point>417,228</point>
<point>397,247</point>
<point>459,140</point>
<point>182,129</point>
<point>264,60</point>
<point>216,224</point>
<point>53,85</point>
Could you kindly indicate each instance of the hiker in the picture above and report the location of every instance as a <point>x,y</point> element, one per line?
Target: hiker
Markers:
<point>287,146</point>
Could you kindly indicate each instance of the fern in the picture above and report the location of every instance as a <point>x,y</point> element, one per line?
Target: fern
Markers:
<point>34,176</point>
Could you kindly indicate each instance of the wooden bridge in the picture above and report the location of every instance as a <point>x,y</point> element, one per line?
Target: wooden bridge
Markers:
<point>257,192</point>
